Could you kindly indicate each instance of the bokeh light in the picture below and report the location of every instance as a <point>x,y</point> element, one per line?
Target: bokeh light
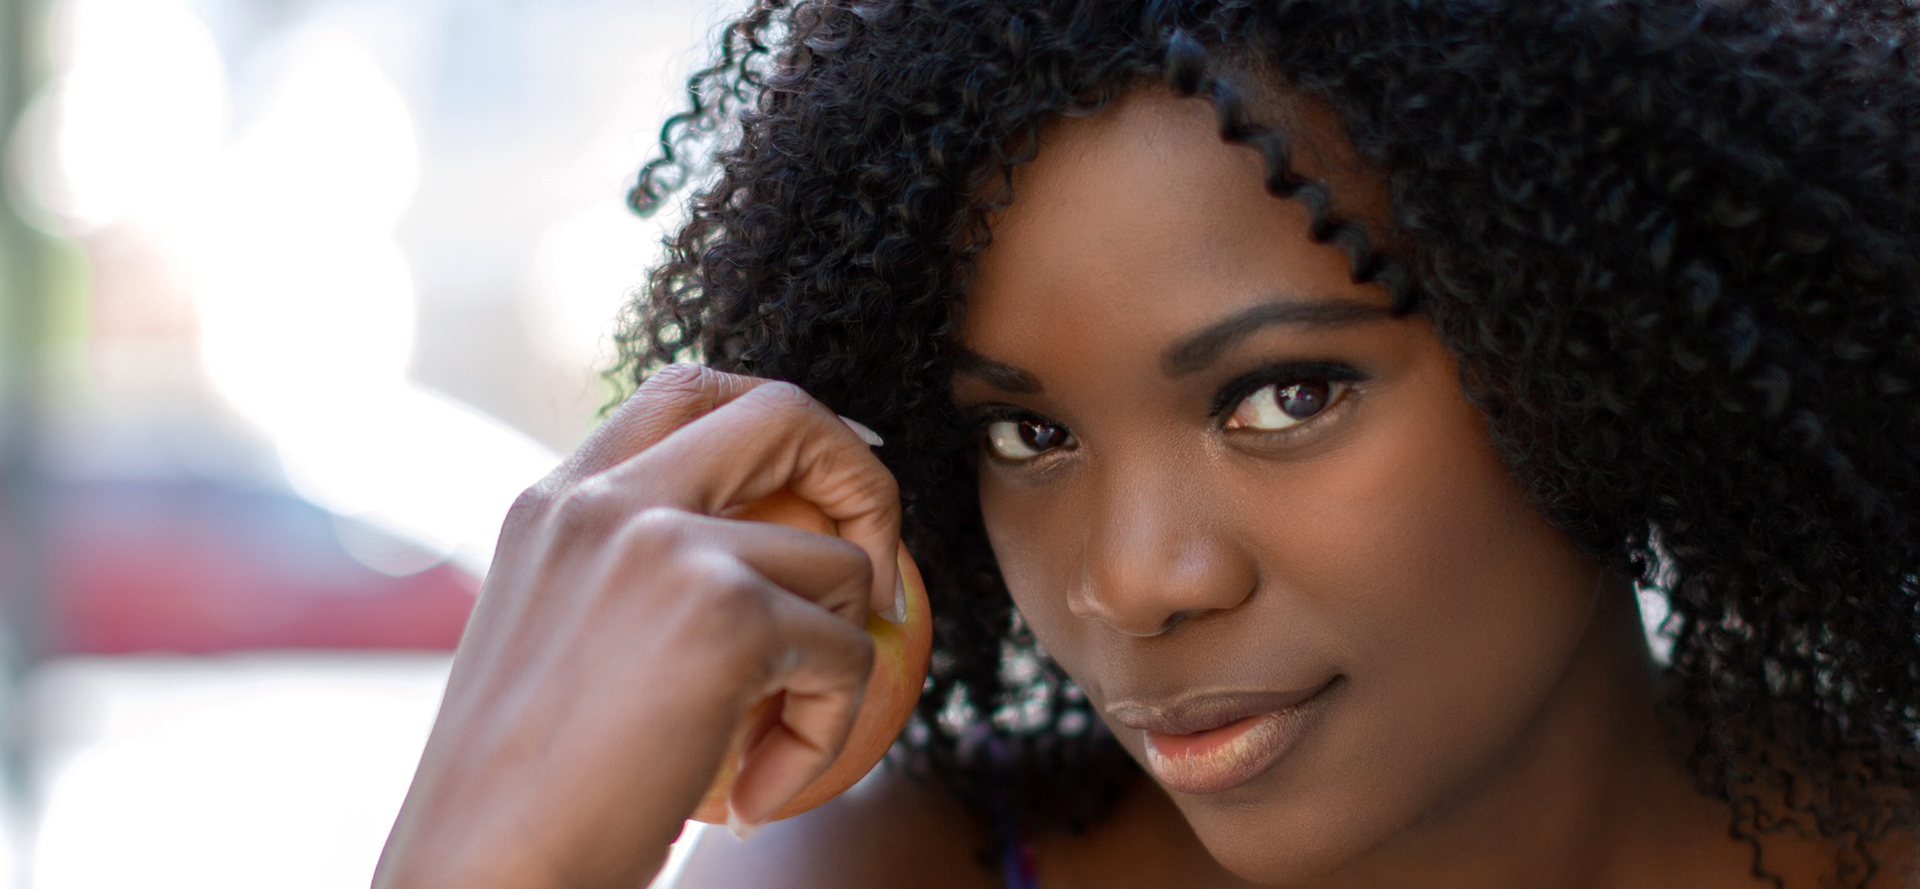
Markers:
<point>335,281</point>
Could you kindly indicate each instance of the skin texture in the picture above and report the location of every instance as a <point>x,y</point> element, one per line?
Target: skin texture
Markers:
<point>625,630</point>
<point>900,652</point>
<point>1669,244</point>
<point>1491,718</point>
<point>1496,725</point>
<point>1493,723</point>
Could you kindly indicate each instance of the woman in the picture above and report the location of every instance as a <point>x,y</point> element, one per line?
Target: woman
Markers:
<point>1284,401</point>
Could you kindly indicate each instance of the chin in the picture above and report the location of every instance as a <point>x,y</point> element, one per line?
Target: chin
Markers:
<point>1299,841</point>
<point>1275,858</point>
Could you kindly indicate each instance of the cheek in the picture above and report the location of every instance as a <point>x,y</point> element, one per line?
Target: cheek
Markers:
<point>1027,550</point>
<point>1038,548</point>
<point>1430,543</point>
<point>1456,606</point>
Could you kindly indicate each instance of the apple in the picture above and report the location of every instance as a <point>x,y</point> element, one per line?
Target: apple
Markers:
<point>900,653</point>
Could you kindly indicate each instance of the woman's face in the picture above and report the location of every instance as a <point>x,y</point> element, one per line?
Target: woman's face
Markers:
<point>1220,479</point>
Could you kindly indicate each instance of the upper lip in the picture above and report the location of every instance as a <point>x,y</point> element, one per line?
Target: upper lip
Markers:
<point>1203,711</point>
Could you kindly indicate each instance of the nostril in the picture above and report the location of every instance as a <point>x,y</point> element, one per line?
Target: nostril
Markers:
<point>1164,628</point>
<point>1145,573</point>
<point>1090,608</point>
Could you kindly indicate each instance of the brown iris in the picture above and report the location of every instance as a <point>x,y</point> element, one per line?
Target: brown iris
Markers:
<point>1303,400</point>
<point>1041,436</point>
<point>1282,406</point>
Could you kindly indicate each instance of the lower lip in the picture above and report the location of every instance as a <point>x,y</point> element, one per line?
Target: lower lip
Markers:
<point>1226,757</point>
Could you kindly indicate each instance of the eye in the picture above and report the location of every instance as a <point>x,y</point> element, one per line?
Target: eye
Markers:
<point>1019,439</point>
<point>1276,407</point>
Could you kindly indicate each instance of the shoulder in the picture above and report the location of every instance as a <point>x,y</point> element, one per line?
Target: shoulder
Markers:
<point>887,831</point>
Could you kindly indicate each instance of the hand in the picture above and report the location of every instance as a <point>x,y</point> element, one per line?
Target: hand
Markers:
<point>624,630</point>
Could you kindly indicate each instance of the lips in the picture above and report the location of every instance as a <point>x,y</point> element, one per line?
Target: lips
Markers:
<point>1203,712</point>
<point>1210,743</point>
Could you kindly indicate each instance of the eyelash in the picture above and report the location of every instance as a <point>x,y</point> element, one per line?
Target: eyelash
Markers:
<point>1230,397</point>
<point>1243,387</point>
<point>981,420</point>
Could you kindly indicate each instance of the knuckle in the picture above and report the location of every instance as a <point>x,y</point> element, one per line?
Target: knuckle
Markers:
<point>590,505</point>
<point>725,587</point>
<point>855,559</point>
<point>656,529</point>
<point>732,609</point>
<point>533,502</point>
<point>682,375</point>
<point>671,386</point>
<point>886,487</point>
<point>784,396</point>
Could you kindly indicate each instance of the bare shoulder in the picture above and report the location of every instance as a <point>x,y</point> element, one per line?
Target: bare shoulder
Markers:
<point>887,831</point>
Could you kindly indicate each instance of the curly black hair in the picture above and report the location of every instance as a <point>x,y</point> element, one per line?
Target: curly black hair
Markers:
<point>1671,244</point>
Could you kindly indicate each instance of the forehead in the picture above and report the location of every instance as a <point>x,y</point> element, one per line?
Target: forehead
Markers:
<point>1142,214</point>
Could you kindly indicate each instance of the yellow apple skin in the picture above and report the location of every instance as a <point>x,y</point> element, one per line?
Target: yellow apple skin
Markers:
<point>900,655</point>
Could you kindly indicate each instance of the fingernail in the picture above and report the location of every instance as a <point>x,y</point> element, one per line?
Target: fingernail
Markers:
<point>867,435</point>
<point>898,613</point>
<point>740,828</point>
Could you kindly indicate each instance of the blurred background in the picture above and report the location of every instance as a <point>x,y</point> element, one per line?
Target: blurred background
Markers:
<point>295,296</point>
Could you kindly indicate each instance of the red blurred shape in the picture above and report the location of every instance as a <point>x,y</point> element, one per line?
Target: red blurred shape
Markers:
<point>195,567</point>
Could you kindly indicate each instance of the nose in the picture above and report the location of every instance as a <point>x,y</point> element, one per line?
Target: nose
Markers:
<point>1156,555</point>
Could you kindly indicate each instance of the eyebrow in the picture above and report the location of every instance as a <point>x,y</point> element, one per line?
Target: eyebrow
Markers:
<point>1199,350</point>
<point>1004,377</point>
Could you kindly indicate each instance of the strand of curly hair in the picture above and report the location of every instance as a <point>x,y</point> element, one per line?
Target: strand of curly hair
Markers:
<point>1671,244</point>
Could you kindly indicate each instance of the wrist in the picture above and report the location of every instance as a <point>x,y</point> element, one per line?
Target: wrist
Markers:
<point>493,867</point>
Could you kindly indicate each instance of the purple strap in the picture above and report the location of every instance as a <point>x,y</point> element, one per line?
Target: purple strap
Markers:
<point>1017,869</point>
<point>1016,864</point>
